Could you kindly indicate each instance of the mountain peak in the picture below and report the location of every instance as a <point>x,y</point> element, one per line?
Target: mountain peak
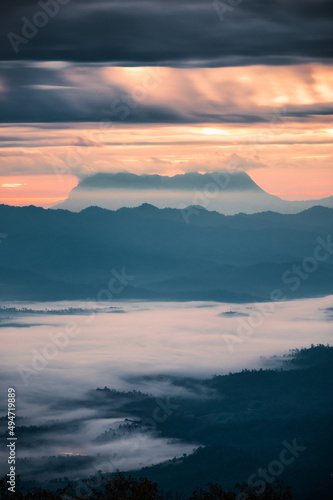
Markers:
<point>220,181</point>
<point>221,191</point>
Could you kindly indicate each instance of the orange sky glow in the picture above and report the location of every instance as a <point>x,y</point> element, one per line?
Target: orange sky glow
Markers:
<point>287,150</point>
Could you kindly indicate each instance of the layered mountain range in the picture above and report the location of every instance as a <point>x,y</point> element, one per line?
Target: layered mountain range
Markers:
<point>59,254</point>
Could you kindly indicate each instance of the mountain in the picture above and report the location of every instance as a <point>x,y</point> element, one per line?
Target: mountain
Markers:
<point>58,254</point>
<point>226,192</point>
<point>235,181</point>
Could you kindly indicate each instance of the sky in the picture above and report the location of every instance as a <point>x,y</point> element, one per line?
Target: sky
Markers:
<point>166,87</point>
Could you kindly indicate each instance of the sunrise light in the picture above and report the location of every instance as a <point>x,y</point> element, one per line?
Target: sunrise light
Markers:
<point>214,131</point>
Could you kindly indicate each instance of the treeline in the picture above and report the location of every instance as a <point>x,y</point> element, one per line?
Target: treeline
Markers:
<point>120,487</point>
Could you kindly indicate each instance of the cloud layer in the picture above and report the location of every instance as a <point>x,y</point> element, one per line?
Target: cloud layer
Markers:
<point>66,92</point>
<point>185,86</point>
<point>173,33</point>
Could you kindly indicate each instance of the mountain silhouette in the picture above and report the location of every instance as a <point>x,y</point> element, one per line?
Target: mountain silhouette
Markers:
<point>226,192</point>
<point>51,254</point>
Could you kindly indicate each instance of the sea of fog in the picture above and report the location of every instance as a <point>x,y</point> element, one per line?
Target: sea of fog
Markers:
<point>54,353</point>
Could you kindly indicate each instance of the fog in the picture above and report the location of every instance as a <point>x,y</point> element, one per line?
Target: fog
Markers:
<point>156,338</point>
<point>227,203</point>
<point>210,198</point>
<point>56,361</point>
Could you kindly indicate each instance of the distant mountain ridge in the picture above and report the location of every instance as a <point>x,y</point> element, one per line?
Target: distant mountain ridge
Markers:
<point>232,181</point>
<point>225,192</point>
<point>58,254</point>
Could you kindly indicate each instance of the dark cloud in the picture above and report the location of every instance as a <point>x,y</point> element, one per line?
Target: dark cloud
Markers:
<point>169,32</point>
<point>85,36</point>
<point>35,93</point>
<point>68,92</point>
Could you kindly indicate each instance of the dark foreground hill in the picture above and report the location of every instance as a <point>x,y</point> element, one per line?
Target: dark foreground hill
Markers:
<point>149,253</point>
<point>254,427</point>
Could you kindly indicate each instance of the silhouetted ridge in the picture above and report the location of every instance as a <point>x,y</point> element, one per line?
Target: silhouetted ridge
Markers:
<point>223,191</point>
<point>67,255</point>
<point>234,181</point>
